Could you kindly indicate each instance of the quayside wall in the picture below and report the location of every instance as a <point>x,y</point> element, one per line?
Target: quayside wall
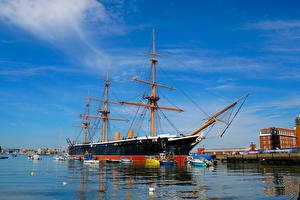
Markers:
<point>270,158</point>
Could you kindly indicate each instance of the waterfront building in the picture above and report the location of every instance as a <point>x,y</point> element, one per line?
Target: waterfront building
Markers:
<point>30,151</point>
<point>47,151</point>
<point>13,150</point>
<point>297,125</point>
<point>43,151</point>
<point>277,138</point>
<point>223,151</point>
<point>280,138</point>
<point>226,151</point>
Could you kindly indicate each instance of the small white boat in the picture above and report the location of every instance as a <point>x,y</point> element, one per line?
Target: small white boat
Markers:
<point>77,158</point>
<point>59,157</point>
<point>126,160</point>
<point>199,162</point>
<point>91,161</point>
<point>34,157</point>
<point>88,159</point>
<point>189,159</point>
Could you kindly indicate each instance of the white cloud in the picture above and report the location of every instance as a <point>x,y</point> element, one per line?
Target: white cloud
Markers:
<point>73,27</point>
<point>53,20</point>
<point>211,62</point>
<point>21,70</point>
<point>65,109</point>
<point>282,36</point>
<point>273,25</point>
<point>283,50</point>
<point>229,86</point>
<point>291,102</point>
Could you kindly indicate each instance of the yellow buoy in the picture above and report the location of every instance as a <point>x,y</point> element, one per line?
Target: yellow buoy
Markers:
<point>31,173</point>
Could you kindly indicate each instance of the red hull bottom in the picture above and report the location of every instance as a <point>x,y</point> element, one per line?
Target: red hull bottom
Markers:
<point>136,159</point>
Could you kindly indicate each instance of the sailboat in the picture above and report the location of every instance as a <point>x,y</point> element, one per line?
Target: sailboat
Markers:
<point>60,157</point>
<point>138,148</point>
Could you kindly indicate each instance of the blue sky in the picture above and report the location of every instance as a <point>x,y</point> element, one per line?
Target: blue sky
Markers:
<point>52,52</point>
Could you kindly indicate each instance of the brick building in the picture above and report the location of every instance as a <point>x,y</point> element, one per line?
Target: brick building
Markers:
<point>280,138</point>
<point>277,138</point>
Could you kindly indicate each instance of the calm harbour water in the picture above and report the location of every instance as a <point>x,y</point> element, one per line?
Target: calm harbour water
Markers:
<point>74,180</point>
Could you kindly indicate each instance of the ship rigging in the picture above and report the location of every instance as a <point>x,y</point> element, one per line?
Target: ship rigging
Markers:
<point>134,147</point>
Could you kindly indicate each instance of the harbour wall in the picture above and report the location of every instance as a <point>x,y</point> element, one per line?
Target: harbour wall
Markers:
<point>270,158</point>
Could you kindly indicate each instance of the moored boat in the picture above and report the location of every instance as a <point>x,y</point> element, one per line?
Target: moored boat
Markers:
<point>60,157</point>
<point>112,161</point>
<point>199,162</point>
<point>208,159</point>
<point>88,159</point>
<point>167,162</point>
<point>91,161</point>
<point>34,157</point>
<point>126,160</point>
<point>152,162</point>
<point>77,158</point>
<point>167,159</point>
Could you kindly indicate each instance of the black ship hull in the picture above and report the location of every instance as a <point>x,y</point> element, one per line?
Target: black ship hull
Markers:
<point>138,146</point>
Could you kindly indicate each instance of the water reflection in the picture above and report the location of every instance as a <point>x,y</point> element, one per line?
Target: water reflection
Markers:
<point>117,180</point>
<point>82,184</point>
<point>277,179</point>
<point>101,190</point>
<point>233,181</point>
<point>74,180</point>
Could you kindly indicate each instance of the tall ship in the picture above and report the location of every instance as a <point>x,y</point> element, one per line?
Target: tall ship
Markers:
<point>138,147</point>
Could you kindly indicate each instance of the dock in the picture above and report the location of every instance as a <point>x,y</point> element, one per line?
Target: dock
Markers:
<point>270,158</point>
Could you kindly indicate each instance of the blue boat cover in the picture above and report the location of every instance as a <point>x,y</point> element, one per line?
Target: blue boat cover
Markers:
<point>207,157</point>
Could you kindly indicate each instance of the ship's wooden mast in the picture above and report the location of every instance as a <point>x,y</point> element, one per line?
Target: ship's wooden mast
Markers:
<point>85,123</point>
<point>105,111</point>
<point>153,98</point>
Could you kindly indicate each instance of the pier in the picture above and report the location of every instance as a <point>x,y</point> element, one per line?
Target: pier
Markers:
<point>269,158</point>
